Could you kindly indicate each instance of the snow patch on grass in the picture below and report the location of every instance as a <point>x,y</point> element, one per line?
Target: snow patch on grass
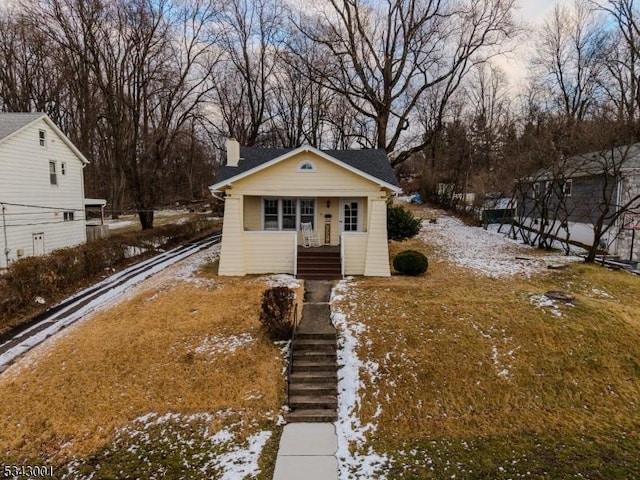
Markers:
<point>352,463</point>
<point>186,271</point>
<point>486,252</point>
<point>146,439</point>
<point>283,280</point>
<point>546,304</point>
<point>217,344</point>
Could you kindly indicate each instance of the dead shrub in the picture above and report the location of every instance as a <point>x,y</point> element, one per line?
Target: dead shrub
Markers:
<point>277,312</point>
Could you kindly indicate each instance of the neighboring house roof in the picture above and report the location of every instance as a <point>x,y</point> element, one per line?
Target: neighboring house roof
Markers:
<point>13,123</point>
<point>622,158</point>
<point>372,164</point>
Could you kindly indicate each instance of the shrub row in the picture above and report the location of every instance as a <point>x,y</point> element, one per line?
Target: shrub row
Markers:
<point>67,269</point>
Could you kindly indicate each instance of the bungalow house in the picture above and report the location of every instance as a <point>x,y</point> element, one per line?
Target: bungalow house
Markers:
<point>585,190</point>
<point>41,188</point>
<point>270,193</point>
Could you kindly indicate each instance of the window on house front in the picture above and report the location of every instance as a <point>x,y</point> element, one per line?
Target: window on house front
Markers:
<point>307,212</point>
<point>536,190</point>
<point>351,217</point>
<point>567,188</point>
<point>53,176</point>
<point>270,214</point>
<point>306,166</point>
<point>288,213</point>
<point>42,136</point>
<point>68,216</point>
<point>63,168</point>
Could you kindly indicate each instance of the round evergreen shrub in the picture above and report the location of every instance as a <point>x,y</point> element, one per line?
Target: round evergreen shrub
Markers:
<point>401,224</point>
<point>410,262</point>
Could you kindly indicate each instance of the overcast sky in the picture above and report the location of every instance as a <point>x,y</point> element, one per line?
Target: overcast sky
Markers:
<point>532,12</point>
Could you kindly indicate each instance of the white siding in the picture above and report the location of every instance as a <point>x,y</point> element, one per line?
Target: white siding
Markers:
<point>355,250</point>
<point>24,179</point>
<point>377,259</point>
<point>232,257</point>
<point>270,252</point>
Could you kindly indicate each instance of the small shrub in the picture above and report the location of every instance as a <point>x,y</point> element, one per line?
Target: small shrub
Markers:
<point>410,262</point>
<point>277,312</point>
<point>401,224</point>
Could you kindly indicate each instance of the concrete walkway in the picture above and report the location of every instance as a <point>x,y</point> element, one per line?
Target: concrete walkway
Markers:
<point>307,450</point>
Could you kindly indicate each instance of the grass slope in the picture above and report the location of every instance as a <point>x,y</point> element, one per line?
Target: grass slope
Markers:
<point>166,385</point>
<point>474,379</point>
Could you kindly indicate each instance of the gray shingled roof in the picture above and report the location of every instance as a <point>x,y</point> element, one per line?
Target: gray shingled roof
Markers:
<point>626,157</point>
<point>11,122</point>
<point>372,162</point>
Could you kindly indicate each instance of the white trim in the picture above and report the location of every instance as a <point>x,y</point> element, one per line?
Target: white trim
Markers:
<point>343,202</point>
<point>303,149</point>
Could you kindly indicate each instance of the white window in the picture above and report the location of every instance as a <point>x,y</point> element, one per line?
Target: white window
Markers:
<point>287,213</point>
<point>350,217</point>
<point>307,211</point>
<point>271,214</point>
<point>306,166</point>
<point>63,168</point>
<point>42,136</point>
<point>536,190</point>
<point>68,216</point>
<point>567,188</point>
<point>53,176</point>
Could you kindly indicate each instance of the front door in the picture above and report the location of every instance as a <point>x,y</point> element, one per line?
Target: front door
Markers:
<point>38,243</point>
<point>350,215</point>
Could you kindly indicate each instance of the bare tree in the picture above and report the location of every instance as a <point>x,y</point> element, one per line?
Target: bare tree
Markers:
<point>251,40</point>
<point>622,56</point>
<point>151,63</point>
<point>569,58</point>
<point>386,56</point>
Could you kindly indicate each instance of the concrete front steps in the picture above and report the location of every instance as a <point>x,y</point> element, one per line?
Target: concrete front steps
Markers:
<point>313,382</point>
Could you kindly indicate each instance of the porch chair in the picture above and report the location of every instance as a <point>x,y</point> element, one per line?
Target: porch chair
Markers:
<point>309,237</point>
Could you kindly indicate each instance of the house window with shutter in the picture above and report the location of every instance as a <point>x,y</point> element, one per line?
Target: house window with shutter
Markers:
<point>53,176</point>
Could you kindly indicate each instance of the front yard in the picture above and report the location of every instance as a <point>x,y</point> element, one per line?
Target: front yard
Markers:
<point>471,372</point>
<point>177,381</point>
<point>466,372</point>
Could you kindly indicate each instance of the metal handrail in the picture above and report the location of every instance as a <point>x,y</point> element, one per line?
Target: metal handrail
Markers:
<point>290,357</point>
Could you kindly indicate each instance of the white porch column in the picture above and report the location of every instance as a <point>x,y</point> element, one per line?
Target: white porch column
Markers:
<point>232,247</point>
<point>377,258</point>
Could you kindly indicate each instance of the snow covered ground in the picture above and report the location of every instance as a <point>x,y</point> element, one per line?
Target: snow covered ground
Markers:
<point>486,252</point>
<point>349,429</point>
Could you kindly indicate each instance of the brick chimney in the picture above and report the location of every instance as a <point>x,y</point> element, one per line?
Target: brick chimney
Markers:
<point>233,152</point>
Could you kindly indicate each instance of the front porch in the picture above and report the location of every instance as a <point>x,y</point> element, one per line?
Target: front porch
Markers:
<point>329,216</point>
<point>262,235</point>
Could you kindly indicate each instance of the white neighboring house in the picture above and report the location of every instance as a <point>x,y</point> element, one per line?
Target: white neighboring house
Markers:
<point>41,188</point>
